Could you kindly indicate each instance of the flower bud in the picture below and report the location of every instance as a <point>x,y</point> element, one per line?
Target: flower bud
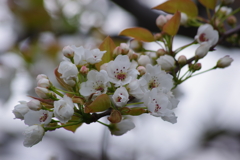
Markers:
<point>41,76</point>
<point>136,45</point>
<point>169,16</point>
<point>141,70</point>
<point>134,56</point>
<point>84,70</point>
<point>197,66</point>
<point>160,21</point>
<point>224,62</point>
<point>161,52</point>
<point>232,20</point>
<point>144,60</point>
<point>20,110</point>
<point>184,19</point>
<point>43,82</point>
<point>117,51</point>
<point>33,134</point>
<point>182,60</point>
<point>166,62</point>
<point>202,50</point>
<point>122,127</point>
<point>68,52</point>
<point>157,36</point>
<point>125,48</point>
<point>34,105</point>
<point>42,92</point>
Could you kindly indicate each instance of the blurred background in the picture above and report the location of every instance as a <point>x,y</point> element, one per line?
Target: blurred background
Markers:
<point>32,35</point>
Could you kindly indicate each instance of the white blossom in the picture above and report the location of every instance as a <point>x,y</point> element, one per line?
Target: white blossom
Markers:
<point>224,10</point>
<point>34,104</point>
<point>161,20</point>
<point>224,62</point>
<point>32,135</point>
<point>144,60</point>
<point>184,19</point>
<point>206,34</point>
<point>79,55</point>
<point>94,56</point>
<point>20,110</point>
<point>68,52</point>
<point>63,109</point>
<point>96,83</point>
<point>41,76</point>
<point>120,96</point>
<point>121,71</point>
<point>37,117</point>
<point>43,82</point>
<point>159,105</point>
<point>69,72</point>
<point>135,89</point>
<point>166,62</point>
<point>155,78</point>
<point>122,127</point>
<point>202,50</point>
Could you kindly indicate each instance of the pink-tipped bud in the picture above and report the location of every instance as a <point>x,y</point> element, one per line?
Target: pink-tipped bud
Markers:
<point>197,66</point>
<point>157,36</point>
<point>169,16</point>
<point>224,62</point>
<point>34,105</point>
<point>182,60</point>
<point>160,52</point>
<point>117,51</point>
<point>68,52</point>
<point>141,70</point>
<point>84,70</point>
<point>160,21</point>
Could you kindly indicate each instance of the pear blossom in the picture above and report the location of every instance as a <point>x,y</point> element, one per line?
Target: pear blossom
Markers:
<point>122,127</point>
<point>155,78</point>
<point>68,52</point>
<point>97,83</point>
<point>161,20</point>
<point>202,50</point>
<point>120,96</point>
<point>43,82</point>
<point>44,92</point>
<point>63,109</point>
<point>20,110</point>
<point>37,117</point>
<point>41,76</point>
<point>135,89</point>
<point>34,105</point>
<point>94,56</point>
<point>206,34</point>
<point>159,105</point>
<point>141,70</point>
<point>69,72</point>
<point>79,55</point>
<point>166,62</point>
<point>224,62</point>
<point>121,71</point>
<point>223,10</point>
<point>184,19</point>
<point>144,60</point>
<point>32,135</point>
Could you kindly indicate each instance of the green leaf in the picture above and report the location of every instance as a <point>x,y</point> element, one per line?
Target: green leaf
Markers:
<point>72,128</point>
<point>136,111</point>
<point>138,33</point>
<point>186,6</point>
<point>107,45</point>
<point>211,4</point>
<point>172,26</point>
<point>101,103</point>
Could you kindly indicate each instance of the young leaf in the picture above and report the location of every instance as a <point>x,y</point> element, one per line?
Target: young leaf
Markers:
<point>186,6</point>
<point>101,103</point>
<point>172,26</point>
<point>138,33</point>
<point>72,128</point>
<point>136,111</point>
<point>211,4</point>
<point>107,45</point>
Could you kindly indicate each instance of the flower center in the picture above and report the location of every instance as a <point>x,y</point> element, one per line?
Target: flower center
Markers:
<point>120,74</point>
<point>99,88</point>
<point>157,108</point>
<point>153,83</point>
<point>43,118</point>
<point>203,38</point>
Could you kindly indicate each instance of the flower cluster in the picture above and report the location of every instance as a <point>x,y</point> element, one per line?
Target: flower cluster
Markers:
<point>118,81</point>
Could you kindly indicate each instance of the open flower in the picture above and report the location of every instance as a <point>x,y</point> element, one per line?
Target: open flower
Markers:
<point>69,72</point>
<point>122,127</point>
<point>155,78</point>
<point>159,105</point>
<point>96,83</point>
<point>120,96</point>
<point>33,134</point>
<point>135,89</point>
<point>94,56</point>
<point>37,117</point>
<point>20,110</point>
<point>121,71</point>
<point>206,34</point>
<point>63,109</point>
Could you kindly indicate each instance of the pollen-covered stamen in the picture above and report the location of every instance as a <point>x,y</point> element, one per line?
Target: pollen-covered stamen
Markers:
<point>153,83</point>
<point>44,117</point>
<point>157,108</point>
<point>203,38</point>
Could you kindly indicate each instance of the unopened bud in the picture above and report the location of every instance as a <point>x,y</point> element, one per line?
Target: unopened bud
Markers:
<point>40,76</point>
<point>157,36</point>
<point>44,82</point>
<point>136,45</point>
<point>42,92</point>
<point>117,51</point>
<point>232,20</point>
<point>197,66</point>
<point>202,50</point>
<point>125,48</point>
<point>141,70</point>
<point>160,21</point>
<point>169,16</point>
<point>144,60</point>
<point>134,56</point>
<point>68,52</point>
<point>184,19</point>
<point>84,70</point>
<point>34,105</point>
<point>166,62</point>
<point>182,60</point>
<point>161,52</point>
<point>224,62</point>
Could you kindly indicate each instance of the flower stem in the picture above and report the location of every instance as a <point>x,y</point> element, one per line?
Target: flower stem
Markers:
<point>103,123</point>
